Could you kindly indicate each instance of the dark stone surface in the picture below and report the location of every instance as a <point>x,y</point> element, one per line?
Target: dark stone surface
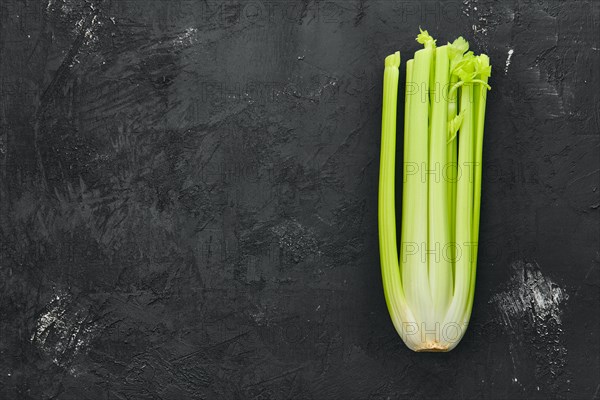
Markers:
<point>188,201</point>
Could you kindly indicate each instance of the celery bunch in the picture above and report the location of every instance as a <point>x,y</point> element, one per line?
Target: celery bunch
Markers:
<point>429,291</point>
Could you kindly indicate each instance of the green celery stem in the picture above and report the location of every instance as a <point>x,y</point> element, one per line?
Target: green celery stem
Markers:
<point>439,235</point>
<point>392,284</point>
<point>413,263</point>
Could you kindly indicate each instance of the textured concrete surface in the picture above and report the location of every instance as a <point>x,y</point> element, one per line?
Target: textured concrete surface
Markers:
<point>188,201</point>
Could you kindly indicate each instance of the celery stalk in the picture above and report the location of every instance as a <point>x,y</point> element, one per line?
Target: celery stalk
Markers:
<point>413,263</point>
<point>392,285</point>
<point>455,120</point>
<point>464,213</point>
<point>456,51</point>
<point>409,80</point>
<point>439,236</point>
<point>480,97</point>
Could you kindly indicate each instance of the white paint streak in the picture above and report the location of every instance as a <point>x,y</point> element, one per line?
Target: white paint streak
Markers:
<point>508,60</point>
<point>532,296</point>
<point>530,312</point>
<point>470,9</point>
<point>479,29</point>
<point>67,8</point>
<point>63,331</point>
<point>187,38</point>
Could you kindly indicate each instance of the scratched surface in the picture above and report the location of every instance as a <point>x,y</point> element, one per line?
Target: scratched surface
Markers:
<point>188,201</point>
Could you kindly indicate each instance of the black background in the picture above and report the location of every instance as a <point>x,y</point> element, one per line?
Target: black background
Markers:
<point>188,201</point>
